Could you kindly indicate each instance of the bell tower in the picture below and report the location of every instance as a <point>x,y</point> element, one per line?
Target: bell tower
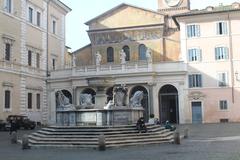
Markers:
<point>172,7</point>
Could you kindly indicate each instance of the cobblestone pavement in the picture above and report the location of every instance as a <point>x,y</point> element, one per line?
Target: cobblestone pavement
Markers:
<point>205,142</point>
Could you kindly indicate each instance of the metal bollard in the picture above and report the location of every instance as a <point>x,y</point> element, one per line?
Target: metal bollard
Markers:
<point>186,133</point>
<point>14,138</point>
<point>25,142</point>
<point>176,137</point>
<point>101,143</point>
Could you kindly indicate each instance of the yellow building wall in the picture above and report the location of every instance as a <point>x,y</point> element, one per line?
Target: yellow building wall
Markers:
<point>84,56</point>
<point>127,16</point>
<point>14,79</point>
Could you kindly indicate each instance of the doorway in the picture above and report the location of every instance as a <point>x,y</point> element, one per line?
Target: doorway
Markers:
<point>168,104</point>
<point>196,112</point>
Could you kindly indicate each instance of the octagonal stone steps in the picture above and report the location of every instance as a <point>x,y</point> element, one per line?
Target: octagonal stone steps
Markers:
<point>87,137</point>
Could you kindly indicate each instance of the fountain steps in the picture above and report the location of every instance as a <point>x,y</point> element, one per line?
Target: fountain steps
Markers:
<point>84,137</point>
<point>39,134</point>
<point>108,138</point>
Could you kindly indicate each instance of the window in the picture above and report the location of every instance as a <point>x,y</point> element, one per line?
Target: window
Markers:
<point>38,60</point>
<point>38,100</point>
<point>222,79</point>
<point>30,58</point>
<point>8,6</point>
<point>29,100</point>
<point>221,53</point>
<point>223,105</point>
<point>127,52</point>
<point>110,54</point>
<point>7,51</point>
<point>194,55</point>
<point>195,80</point>
<point>38,19</point>
<point>7,99</point>
<point>193,30</point>
<point>222,28</point>
<point>54,23</point>
<point>142,52</point>
<point>30,15</point>
<point>53,64</point>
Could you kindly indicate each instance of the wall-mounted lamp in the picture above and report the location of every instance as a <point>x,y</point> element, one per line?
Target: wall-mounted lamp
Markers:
<point>237,76</point>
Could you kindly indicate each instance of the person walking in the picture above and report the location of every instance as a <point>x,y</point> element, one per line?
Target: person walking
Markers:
<point>13,126</point>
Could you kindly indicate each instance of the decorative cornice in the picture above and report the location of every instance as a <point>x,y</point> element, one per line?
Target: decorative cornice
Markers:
<point>7,84</point>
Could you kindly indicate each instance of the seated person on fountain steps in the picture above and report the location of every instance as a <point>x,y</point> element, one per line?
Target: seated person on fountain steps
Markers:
<point>153,120</point>
<point>169,126</point>
<point>141,125</point>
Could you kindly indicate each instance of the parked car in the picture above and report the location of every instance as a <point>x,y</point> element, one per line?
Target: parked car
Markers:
<point>2,125</point>
<point>21,121</point>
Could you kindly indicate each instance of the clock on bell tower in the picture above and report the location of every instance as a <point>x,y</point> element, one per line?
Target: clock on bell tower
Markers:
<point>172,7</point>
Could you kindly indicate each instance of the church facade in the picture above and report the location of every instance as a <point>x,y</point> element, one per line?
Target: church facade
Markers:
<point>150,63</point>
<point>166,55</point>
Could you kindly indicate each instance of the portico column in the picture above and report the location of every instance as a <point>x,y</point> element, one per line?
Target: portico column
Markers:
<point>150,95</point>
<point>74,96</point>
<point>100,97</point>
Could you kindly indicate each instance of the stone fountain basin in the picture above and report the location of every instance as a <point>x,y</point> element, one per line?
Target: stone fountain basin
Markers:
<point>100,117</point>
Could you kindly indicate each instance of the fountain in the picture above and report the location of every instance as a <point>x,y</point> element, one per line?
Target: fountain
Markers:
<point>114,112</point>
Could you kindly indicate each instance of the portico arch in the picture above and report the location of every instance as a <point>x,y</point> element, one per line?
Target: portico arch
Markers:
<point>90,91</point>
<point>144,101</point>
<point>109,94</point>
<point>68,95</point>
<point>168,104</point>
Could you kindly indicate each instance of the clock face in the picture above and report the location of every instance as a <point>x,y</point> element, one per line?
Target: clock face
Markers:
<point>172,3</point>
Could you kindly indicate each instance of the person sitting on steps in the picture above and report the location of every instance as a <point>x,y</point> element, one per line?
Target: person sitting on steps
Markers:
<point>169,126</point>
<point>141,125</point>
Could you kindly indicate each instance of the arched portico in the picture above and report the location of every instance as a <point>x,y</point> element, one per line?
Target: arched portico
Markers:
<point>90,91</point>
<point>144,101</point>
<point>109,94</point>
<point>168,104</point>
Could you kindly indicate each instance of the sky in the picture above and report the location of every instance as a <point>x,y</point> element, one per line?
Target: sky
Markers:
<point>84,10</point>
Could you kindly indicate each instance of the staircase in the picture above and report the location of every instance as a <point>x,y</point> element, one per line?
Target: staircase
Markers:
<point>87,137</point>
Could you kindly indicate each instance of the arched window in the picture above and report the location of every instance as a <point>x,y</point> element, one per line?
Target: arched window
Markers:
<point>142,52</point>
<point>110,54</point>
<point>127,52</point>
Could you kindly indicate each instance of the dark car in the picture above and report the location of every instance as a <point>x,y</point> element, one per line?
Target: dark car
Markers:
<point>2,125</point>
<point>21,121</point>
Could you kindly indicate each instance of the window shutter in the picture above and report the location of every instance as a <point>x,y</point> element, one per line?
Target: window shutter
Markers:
<point>216,53</point>
<point>225,28</point>
<point>189,55</point>
<point>226,52</point>
<point>190,79</point>
<point>200,80</point>
<point>199,54</point>
<point>217,28</point>
<point>198,30</point>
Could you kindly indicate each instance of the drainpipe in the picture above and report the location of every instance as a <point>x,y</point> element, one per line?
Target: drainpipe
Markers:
<point>231,58</point>
<point>47,72</point>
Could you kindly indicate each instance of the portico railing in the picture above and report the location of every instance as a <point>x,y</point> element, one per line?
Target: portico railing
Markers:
<point>116,69</point>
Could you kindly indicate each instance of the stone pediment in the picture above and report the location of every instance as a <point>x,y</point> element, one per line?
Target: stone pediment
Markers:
<point>125,15</point>
<point>196,95</point>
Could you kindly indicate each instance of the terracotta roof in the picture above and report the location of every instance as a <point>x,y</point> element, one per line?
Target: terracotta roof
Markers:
<point>209,10</point>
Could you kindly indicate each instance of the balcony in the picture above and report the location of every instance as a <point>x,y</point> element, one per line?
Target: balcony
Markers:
<point>161,68</point>
<point>10,66</point>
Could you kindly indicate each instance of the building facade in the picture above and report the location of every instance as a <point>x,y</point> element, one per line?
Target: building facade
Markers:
<point>184,61</point>
<point>32,42</point>
<point>209,46</point>
<point>131,46</point>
